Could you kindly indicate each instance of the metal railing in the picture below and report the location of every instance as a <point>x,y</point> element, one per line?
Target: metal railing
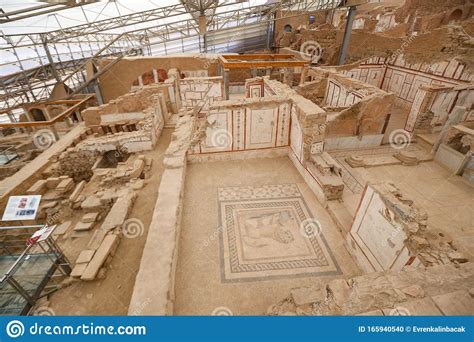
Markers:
<point>29,276</point>
<point>7,154</point>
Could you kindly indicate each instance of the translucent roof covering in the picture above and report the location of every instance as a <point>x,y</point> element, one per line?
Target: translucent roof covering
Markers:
<point>23,49</point>
<point>42,43</point>
<point>93,12</point>
<point>70,17</point>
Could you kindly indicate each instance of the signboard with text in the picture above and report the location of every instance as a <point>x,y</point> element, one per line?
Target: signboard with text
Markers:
<point>21,208</point>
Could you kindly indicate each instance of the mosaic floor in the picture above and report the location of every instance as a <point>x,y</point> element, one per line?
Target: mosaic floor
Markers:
<point>269,232</point>
<point>269,253</point>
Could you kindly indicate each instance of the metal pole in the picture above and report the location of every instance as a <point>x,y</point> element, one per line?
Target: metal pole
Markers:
<point>20,290</point>
<point>332,12</point>
<point>347,35</point>
<point>51,61</point>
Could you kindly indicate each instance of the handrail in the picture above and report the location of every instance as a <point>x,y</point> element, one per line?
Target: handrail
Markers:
<point>49,122</point>
<point>22,227</point>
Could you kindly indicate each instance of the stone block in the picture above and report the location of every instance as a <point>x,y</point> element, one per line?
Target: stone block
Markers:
<point>96,239</point>
<point>85,256</point>
<point>62,228</point>
<point>308,295</point>
<point>119,211</point>
<point>77,191</point>
<point>91,203</point>
<point>52,195</point>
<point>340,291</point>
<point>458,303</point>
<point>49,204</point>
<point>138,146</point>
<point>65,185</point>
<point>109,243</point>
<point>138,166</point>
<point>138,184</point>
<point>455,256</point>
<point>78,270</point>
<point>107,195</point>
<point>90,217</point>
<point>81,226</point>
<point>39,188</point>
<point>52,182</point>
<point>414,291</point>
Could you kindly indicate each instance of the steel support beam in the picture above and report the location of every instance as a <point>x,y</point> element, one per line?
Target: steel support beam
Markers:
<point>51,62</point>
<point>347,35</point>
<point>36,84</point>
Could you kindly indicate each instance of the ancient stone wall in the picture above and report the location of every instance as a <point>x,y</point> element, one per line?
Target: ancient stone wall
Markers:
<point>354,108</point>
<point>120,77</point>
<point>398,76</point>
<point>257,122</point>
<point>438,290</point>
<point>132,122</point>
<point>201,91</point>
<point>389,232</point>
<point>420,39</point>
<point>153,293</point>
<point>433,105</point>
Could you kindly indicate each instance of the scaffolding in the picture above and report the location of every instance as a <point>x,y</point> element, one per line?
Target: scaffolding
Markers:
<point>35,63</point>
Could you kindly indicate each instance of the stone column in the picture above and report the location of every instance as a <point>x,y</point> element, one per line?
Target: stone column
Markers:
<point>175,75</point>
<point>226,84</point>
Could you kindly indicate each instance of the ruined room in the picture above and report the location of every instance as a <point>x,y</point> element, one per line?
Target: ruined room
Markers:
<point>211,157</point>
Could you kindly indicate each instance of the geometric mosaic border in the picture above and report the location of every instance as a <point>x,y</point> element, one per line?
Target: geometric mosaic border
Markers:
<point>321,262</point>
<point>261,192</point>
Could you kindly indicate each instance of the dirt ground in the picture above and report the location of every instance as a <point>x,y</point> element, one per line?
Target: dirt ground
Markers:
<point>111,295</point>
